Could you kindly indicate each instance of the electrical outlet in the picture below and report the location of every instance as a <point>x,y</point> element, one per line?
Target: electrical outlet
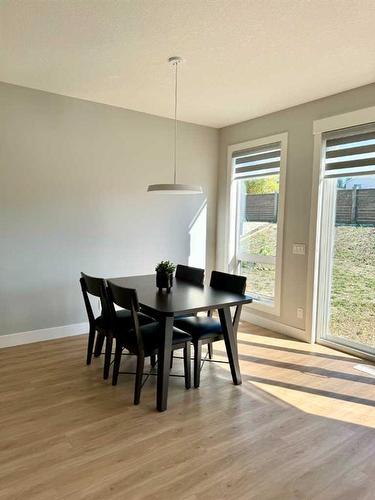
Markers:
<point>300,313</point>
<point>299,248</point>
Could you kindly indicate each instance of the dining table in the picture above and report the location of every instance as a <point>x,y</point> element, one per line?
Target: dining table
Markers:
<point>185,298</point>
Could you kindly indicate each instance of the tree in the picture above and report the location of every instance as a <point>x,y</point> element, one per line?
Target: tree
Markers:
<point>263,185</point>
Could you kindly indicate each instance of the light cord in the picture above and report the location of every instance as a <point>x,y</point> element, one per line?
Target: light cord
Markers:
<point>175,123</point>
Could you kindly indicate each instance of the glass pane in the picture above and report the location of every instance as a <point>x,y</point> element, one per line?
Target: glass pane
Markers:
<point>352,302</point>
<point>260,280</point>
<point>257,233</point>
<point>258,207</point>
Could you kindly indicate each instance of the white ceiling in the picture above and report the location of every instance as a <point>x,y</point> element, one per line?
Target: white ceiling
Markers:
<point>244,58</point>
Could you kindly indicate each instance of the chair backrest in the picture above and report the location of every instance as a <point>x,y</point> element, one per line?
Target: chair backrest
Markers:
<point>228,282</point>
<point>97,288</point>
<point>193,275</point>
<point>127,299</point>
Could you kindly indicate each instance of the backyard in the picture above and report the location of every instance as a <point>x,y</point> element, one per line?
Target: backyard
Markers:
<point>259,238</point>
<point>352,314</point>
<point>353,285</point>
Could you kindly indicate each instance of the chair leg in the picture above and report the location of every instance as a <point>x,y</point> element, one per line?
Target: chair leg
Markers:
<point>197,362</point>
<point>187,365</point>
<point>117,361</point>
<point>153,360</point>
<point>210,350</point>
<point>90,345</point>
<point>99,345</point>
<point>138,379</point>
<point>171,365</point>
<point>107,356</point>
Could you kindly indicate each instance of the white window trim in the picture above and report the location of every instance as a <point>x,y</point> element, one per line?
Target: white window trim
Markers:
<point>351,119</point>
<point>346,120</point>
<point>230,230</point>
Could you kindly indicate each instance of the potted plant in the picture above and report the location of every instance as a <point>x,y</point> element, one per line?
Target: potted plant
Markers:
<point>164,275</point>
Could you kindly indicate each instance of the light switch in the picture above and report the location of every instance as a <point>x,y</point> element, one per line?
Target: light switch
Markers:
<point>299,248</point>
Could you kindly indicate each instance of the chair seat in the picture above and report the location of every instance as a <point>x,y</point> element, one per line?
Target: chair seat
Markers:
<point>151,335</point>
<point>200,327</point>
<point>124,318</point>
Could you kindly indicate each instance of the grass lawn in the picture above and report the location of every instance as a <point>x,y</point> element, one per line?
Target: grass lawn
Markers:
<point>353,285</point>
<point>260,239</point>
<point>260,279</point>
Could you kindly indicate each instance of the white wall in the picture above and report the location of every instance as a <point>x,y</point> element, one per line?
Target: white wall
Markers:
<point>298,122</point>
<point>73,179</point>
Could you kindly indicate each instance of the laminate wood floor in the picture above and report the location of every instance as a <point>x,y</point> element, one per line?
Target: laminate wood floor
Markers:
<point>301,426</point>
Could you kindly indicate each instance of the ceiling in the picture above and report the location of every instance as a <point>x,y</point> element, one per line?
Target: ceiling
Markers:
<point>244,58</point>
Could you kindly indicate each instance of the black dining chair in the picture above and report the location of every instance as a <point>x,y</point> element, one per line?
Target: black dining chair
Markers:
<point>100,326</point>
<point>142,341</point>
<point>206,329</point>
<point>193,275</point>
<point>189,274</point>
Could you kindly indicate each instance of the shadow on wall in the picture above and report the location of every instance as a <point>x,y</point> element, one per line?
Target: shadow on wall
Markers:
<point>121,236</point>
<point>198,237</point>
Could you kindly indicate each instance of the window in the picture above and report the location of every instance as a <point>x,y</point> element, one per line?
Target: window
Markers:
<point>258,179</point>
<point>346,284</point>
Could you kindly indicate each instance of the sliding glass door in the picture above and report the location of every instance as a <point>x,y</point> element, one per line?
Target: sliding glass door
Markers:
<point>346,289</point>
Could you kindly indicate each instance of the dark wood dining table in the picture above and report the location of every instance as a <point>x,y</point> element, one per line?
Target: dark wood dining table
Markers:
<point>185,298</point>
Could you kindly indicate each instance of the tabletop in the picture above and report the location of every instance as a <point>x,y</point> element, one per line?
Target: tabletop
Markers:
<point>184,297</point>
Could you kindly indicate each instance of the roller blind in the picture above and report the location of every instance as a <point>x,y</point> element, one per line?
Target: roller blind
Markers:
<point>350,152</point>
<point>258,161</point>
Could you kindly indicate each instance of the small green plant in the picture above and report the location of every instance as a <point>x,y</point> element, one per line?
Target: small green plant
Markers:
<point>165,266</point>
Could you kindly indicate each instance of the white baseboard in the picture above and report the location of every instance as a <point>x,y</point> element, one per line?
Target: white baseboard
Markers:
<point>58,332</point>
<point>55,332</point>
<point>275,326</point>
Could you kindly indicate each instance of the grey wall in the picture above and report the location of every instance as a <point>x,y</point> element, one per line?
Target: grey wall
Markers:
<point>298,122</point>
<point>73,178</point>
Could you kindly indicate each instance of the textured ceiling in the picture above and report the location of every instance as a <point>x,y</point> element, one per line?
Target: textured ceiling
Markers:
<point>244,58</point>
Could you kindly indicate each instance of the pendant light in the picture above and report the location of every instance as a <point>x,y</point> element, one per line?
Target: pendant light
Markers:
<point>175,188</point>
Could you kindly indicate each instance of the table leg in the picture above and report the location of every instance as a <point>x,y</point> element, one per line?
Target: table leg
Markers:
<point>236,320</point>
<point>164,361</point>
<point>230,344</point>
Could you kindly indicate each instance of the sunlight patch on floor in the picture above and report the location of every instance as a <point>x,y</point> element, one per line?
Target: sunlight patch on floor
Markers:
<point>312,378</point>
<point>322,406</point>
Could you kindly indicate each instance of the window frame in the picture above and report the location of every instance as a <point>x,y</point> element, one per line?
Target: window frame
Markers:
<point>231,261</point>
<point>326,246</point>
<point>362,116</point>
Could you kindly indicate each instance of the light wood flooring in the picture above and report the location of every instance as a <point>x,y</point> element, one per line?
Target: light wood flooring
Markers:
<point>301,426</point>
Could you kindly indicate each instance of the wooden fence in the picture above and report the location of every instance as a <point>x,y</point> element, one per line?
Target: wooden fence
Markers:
<point>261,207</point>
<point>353,206</point>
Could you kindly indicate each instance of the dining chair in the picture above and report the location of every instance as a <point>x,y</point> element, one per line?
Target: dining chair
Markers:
<point>100,327</point>
<point>206,329</point>
<point>194,275</point>
<point>141,340</point>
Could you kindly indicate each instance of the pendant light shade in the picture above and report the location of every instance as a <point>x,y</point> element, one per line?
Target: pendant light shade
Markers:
<point>175,188</point>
